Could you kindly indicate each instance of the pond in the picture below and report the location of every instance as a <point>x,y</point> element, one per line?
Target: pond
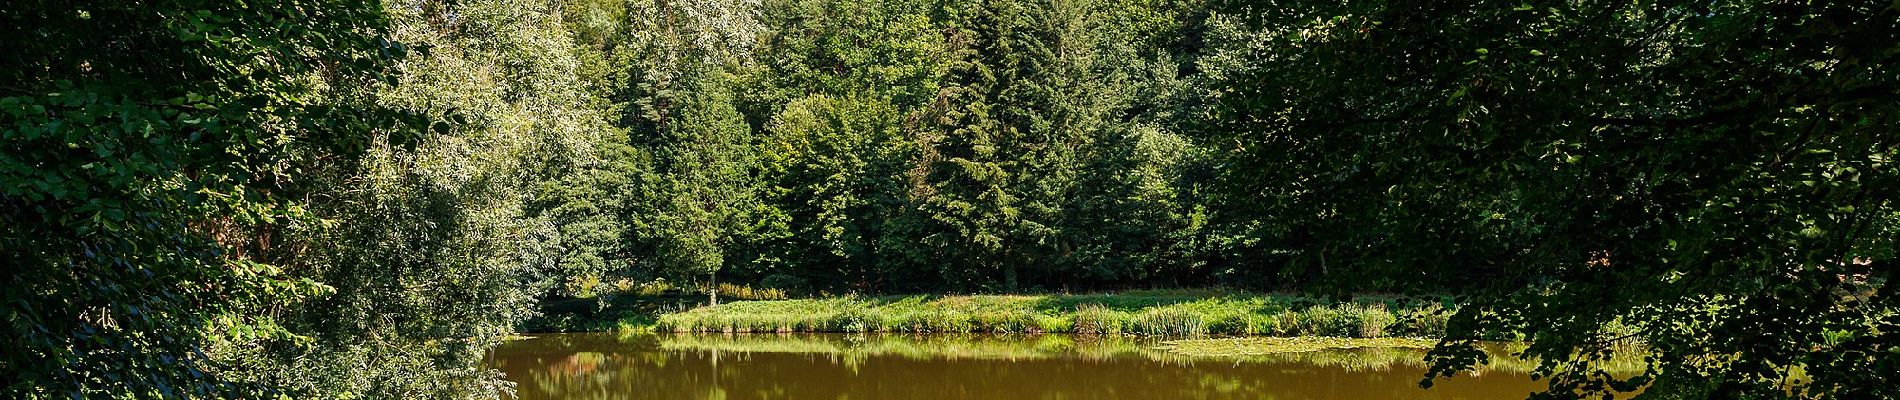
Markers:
<point>836,366</point>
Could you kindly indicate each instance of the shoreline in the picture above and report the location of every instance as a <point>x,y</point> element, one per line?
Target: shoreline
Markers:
<point>1360,352</point>
<point>1170,313</point>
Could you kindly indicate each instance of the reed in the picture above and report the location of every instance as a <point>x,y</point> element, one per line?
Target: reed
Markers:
<point>1168,321</point>
<point>1169,314</point>
<point>743,292</point>
<point>1096,319</point>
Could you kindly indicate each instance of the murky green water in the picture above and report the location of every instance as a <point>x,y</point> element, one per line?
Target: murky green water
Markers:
<point>765,366</point>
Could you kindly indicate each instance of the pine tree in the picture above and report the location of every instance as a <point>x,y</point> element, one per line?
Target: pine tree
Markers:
<point>711,198</point>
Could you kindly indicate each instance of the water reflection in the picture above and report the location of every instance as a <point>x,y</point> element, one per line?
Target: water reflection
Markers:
<point>605,366</point>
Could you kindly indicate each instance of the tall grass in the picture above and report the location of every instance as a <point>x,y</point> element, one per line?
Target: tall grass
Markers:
<point>1161,314</point>
<point>749,293</point>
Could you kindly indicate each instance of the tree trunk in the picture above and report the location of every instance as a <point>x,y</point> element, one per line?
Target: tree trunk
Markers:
<point>1009,274</point>
<point>712,288</point>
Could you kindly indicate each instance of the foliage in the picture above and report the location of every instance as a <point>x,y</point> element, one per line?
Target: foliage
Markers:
<point>154,156</point>
<point>711,201</point>
<point>199,198</point>
<point>463,202</point>
<point>838,168</point>
<point>873,153</point>
<point>1711,175</point>
<point>326,199</point>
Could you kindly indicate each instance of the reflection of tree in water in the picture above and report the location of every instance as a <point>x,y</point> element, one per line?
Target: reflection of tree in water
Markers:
<point>551,367</point>
<point>578,364</point>
<point>599,366</point>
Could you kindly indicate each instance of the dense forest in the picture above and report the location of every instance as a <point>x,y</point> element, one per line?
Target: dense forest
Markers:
<point>355,198</point>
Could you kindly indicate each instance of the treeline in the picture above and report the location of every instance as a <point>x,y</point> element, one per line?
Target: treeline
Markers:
<point>899,146</point>
<point>354,198</point>
<point>338,198</point>
<point>919,146</point>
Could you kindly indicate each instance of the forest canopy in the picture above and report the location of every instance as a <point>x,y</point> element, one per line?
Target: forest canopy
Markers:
<point>355,198</point>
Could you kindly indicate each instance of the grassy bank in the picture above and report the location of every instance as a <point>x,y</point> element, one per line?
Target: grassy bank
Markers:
<point>1354,354</point>
<point>1013,347</point>
<point>1160,313</point>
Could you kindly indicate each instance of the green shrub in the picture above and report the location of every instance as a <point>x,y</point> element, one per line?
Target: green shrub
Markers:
<point>1426,321</point>
<point>1228,323</point>
<point>1055,324</point>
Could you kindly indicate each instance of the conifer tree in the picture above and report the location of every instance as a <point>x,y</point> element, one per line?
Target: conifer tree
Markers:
<point>711,199</point>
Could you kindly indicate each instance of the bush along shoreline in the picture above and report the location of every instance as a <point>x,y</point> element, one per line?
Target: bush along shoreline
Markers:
<point>1173,314</point>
